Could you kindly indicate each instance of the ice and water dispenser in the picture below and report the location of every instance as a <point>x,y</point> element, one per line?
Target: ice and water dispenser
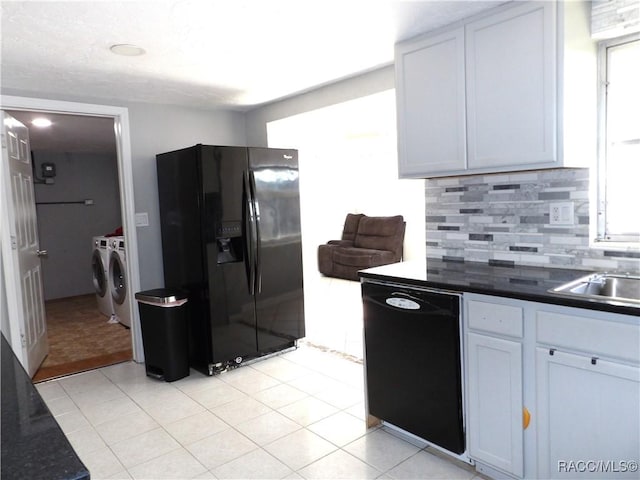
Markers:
<point>229,242</point>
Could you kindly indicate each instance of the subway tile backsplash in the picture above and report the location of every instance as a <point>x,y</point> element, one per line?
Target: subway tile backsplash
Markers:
<point>503,219</point>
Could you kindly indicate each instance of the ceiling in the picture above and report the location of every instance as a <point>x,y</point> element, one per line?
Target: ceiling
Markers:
<point>69,133</point>
<point>206,53</point>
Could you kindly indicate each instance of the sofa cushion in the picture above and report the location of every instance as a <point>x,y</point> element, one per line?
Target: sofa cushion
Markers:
<point>361,257</point>
<point>379,233</point>
<point>351,224</point>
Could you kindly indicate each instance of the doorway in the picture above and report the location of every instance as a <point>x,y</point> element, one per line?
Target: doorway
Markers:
<point>119,122</point>
<point>77,198</point>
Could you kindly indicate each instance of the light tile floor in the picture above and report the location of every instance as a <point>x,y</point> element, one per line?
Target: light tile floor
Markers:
<point>296,415</point>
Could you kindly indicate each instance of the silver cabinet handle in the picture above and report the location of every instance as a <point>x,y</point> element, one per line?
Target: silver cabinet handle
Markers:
<point>42,253</point>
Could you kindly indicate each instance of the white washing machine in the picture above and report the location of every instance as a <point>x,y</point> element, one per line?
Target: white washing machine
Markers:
<point>100,272</point>
<point>118,284</point>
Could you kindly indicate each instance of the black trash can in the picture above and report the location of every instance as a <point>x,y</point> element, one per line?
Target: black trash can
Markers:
<point>163,319</point>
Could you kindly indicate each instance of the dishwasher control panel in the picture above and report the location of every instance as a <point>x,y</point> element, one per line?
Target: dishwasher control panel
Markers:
<point>403,303</point>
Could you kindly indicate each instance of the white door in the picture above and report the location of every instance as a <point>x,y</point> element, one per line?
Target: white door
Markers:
<point>431,108</point>
<point>511,90</point>
<point>588,417</point>
<point>495,415</point>
<point>20,248</point>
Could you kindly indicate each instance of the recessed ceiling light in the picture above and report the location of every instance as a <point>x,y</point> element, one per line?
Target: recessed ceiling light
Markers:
<point>41,122</point>
<point>127,50</point>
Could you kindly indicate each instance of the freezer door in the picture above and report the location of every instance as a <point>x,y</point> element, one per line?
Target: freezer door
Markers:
<point>230,304</point>
<point>183,259</point>
<point>279,291</point>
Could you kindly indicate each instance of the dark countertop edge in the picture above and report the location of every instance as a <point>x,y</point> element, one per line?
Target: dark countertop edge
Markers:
<point>33,444</point>
<point>548,298</point>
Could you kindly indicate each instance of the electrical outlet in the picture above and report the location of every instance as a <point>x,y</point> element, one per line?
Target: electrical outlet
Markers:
<point>561,213</point>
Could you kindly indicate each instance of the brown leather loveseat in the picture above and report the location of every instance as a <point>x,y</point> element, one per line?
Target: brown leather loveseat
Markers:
<point>366,242</point>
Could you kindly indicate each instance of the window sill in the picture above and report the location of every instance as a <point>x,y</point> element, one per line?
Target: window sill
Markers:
<point>623,247</point>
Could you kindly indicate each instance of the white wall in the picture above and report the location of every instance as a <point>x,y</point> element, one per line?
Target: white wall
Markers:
<point>66,230</point>
<point>367,84</point>
<point>331,181</point>
<point>348,164</point>
<point>157,129</point>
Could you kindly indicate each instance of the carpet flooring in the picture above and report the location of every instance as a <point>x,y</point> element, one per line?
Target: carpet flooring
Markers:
<point>80,338</point>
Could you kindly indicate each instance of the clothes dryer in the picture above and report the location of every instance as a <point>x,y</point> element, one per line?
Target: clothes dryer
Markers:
<point>100,273</point>
<point>118,282</point>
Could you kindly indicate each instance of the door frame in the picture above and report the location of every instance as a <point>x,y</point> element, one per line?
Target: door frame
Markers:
<point>120,116</point>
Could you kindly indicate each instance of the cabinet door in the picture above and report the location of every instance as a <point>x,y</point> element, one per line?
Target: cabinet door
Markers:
<point>511,87</point>
<point>430,104</point>
<point>495,402</point>
<point>588,420</point>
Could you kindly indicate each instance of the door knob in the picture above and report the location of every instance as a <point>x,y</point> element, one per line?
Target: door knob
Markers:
<point>42,253</point>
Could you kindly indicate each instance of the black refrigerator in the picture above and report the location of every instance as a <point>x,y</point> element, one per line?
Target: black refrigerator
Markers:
<point>230,222</point>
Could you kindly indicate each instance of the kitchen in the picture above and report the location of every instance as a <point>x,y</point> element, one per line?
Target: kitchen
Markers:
<point>144,115</point>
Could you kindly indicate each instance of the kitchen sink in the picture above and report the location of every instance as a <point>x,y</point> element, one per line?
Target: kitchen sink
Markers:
<point>603,286</point>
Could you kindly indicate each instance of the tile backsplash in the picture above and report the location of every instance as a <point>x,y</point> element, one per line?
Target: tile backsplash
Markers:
<point>503,219</point>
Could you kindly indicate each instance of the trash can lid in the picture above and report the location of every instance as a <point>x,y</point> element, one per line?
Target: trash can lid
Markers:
<point>162,296</point>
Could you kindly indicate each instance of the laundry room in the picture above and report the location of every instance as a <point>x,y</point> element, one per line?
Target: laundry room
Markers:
<point>77,199</point>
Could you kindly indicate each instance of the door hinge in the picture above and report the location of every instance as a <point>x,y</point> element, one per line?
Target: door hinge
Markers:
<point>4,141</point>
<point>14,242</point>
<point>23,340</point>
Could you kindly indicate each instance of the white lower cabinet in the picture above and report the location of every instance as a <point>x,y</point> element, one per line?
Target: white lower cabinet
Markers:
<point>574,373</point>
<point>495,402</point>
<point>588,413</point>
<point>588,394</point>
<point>493,349</point>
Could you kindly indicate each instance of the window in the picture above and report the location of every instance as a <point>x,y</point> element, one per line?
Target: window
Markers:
<point>619,146</point>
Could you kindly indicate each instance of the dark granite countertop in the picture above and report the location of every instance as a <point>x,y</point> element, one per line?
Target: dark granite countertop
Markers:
<point>33,445</point>
<point>523,283</point>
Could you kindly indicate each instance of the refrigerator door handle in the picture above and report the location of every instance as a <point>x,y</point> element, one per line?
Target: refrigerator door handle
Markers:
<point>256,238</point>
<point>249,228</point>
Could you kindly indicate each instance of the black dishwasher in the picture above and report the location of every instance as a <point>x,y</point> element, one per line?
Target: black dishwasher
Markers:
<point>412,347</point>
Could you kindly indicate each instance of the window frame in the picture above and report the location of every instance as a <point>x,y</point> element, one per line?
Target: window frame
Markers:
<point>602,237</point>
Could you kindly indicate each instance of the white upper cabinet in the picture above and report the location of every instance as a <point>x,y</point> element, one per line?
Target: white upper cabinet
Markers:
<point>512,89</point>
<point>430,79</point>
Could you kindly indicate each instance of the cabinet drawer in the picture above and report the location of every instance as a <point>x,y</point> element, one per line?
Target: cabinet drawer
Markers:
<point>590,335</point>
<point>495,318</point>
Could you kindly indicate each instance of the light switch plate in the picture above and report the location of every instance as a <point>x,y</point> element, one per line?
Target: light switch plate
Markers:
<point>142,219</point>
<point>561,213</point>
